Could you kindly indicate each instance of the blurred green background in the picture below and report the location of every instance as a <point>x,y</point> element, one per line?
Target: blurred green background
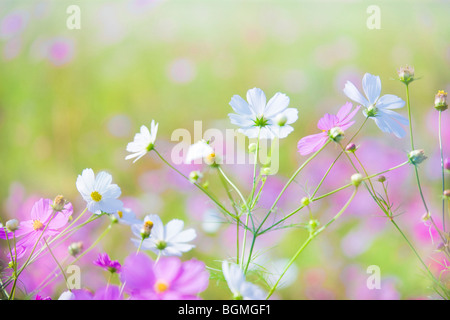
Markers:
<point>178,61</point>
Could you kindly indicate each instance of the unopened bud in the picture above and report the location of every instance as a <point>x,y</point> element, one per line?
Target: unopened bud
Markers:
<point>416,156</point>
<point>440,101</point>
<point>381,179</point>
<point>75,248</point>
<point>306,201</point>
<point>12,225</point>
<point>195,176</point>
<point>447,164</point>
<point>336,134</point>
<point>281,120</point>
<point>265,171</point>
<point>357,178</point>
<point>406,74</point>
<point>313,225</point>
<point>252,147</point>
<point>446,194</point>
<point>351,147</point>
<point>146,229</point>
<point>425,217</point>
<point>59,203</point>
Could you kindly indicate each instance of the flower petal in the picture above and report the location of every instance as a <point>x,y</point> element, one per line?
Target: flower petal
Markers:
<point>372,87</point>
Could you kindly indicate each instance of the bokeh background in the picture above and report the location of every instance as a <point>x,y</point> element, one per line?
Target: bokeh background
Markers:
<point>73,99</point>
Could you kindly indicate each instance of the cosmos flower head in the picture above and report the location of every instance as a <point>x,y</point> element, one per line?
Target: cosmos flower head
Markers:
<point>44,221</point>
<point>143,142</point>
<point>256,118</point>
<point>332,126</point>
<point>378,108</point>
<point>164,240</point>
<point>126,216</point>
<point>105,262</point>
<point>168,279</point>
<point>201,150</point>
<point>241,289</point>
<point>99,192</point>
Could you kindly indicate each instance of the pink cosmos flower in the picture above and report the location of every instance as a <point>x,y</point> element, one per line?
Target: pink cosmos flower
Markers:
<point>168,279</point>
<point>42,214</point>
<point>106,263</point>
<point>339,122</point>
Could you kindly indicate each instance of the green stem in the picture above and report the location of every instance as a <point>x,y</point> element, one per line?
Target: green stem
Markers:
<point>57,262</point>
<point>254,168</point>
<point>443,171</point>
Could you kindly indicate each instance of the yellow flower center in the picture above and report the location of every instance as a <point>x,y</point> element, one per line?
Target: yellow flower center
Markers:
<point>37,225</point>
<point>210,159</point>
<point>120,213</point>
<point>148,224</point>
<point>442,92</point>
<point>161,286</point>
<point>96,196</point>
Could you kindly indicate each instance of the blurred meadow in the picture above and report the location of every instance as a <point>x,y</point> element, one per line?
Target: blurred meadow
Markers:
<point>73,99</point>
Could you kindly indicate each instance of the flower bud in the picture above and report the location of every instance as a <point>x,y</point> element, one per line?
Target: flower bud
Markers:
<point>446,194</point>
<point>12,225</point>
<point>59,203</point>
<point>281,120</point>
<point>195,176</point>
<point>265,171</point>
<point>447,164</point>
<point>416,156</point>
<point>306,201</point>
<point>425,217</point>
<point>210,159</point>
<point>336,134</point>
<point>75,248</point>
<point>252,147</point>
<point>357,178</point>
<point>146,229</point>
<point>406,74</point>
<point>351,147</point>
<point>381,179</point>
<point>313,225</point>
<point>440,101</point>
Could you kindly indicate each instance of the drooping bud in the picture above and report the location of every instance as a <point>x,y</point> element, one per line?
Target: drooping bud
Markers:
<point>306,201</point>
<point>446,194</point>
<point>406,74</point>
<point>12,225</point>
<point>416,156</point>
<point>252,147</point>
<point>381,179</point>
<point>195,176</point>
<point>59,203</point>
<point>357,178</point>
<point>440,101</point>
<point>146,229</point>
<point>351,147</point>
<point>281,120</point>
<point>336,134</point>
<point>75,248</point>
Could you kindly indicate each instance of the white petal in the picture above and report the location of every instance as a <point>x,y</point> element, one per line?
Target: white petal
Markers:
<point>240,106</point>
<point>257,100</point>
<point>353,93</point>
<point>102,181</point>
<point>390,101</point>
<point>278,103</point>
<point>371,87</point>
<point>173,228</point>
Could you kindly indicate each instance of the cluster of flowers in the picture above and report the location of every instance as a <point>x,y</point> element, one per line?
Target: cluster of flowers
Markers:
<point>168,277</point>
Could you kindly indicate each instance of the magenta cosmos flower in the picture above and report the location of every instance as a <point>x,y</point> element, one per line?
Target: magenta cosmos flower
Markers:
<point>106,263</point>
<point>42,218</point>
<point>168,279</point>
<point>332,126</point>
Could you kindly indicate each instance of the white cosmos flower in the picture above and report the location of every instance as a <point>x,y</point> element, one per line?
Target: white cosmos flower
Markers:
<point>200,150</point>
<point>168,240</point>
<point>241,289</point>
<point>98,192</point>
<point>126,216</point>
<point>255,117</point>
<point>143,142</point>
<point>378,108</point>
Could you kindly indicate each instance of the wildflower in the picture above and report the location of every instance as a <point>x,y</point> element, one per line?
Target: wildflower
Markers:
<point>126,216</point>
<point>169,240</point>
<point>381,179</point>
<point>143,142</point>
<point>258,119</point>
<point>440,101</point>
<point>201,150</point>
<point>76,294</point>
<point>98,192</point>
<point>195,176</point>
<point>266,171</point>
<point>416,156</point>
<point>169,279</point>
<point>406,74</point>
<point>306,201</point>
<point>106,263</point>
<point>59,203</point>
<point>332,126</point>
<point>12,225</point>
<point>44,221</point>
<point>110,292</point>
<point>357,178</point>
<point>376,107</point>
<point>241,289</point>
<point>38,297</point>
